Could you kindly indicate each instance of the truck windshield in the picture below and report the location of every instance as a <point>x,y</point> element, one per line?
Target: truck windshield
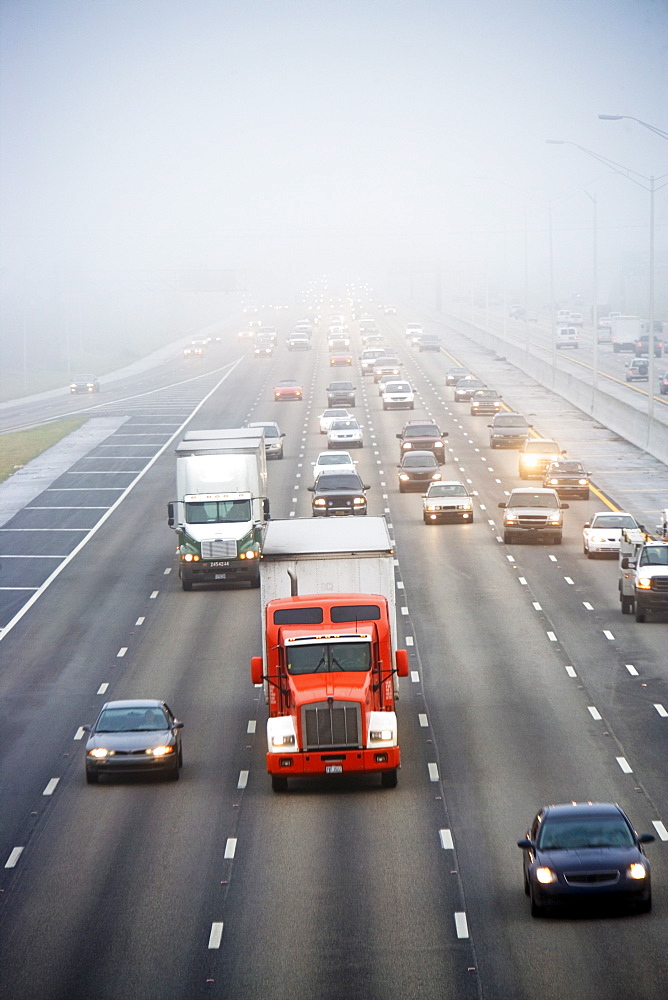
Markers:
<point>325,657</point>
<point>654,555</point>
<point>217,511</point>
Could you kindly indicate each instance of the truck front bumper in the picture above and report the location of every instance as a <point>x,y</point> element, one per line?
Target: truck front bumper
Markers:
<point>334,762</point>
<point>237,571</point>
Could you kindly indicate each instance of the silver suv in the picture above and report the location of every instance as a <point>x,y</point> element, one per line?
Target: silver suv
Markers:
<point>533,514</point>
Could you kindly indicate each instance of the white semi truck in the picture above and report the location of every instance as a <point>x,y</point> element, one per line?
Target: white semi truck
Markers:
<point>221,508</point>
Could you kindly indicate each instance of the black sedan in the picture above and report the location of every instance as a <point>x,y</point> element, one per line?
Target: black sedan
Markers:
<point>585,852</point>
<point>466,387</point>
<point>131,737</point>
<point>417,470</point>
<point>569,478</point>
<point>338,493</point>
<point>453,375</point>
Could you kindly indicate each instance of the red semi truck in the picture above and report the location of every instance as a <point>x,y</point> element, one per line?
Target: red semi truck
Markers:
<point>331,664</point>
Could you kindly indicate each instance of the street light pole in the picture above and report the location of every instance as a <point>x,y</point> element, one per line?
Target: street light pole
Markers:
<point>650,186</point>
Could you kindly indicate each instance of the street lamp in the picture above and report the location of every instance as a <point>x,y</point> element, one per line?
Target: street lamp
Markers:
<point>618,118</point>
<point>650,186</point>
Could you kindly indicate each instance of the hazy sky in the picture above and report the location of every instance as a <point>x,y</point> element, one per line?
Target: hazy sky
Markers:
<point>233,133</point>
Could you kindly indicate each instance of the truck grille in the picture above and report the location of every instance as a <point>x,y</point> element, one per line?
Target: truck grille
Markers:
<point>660,584</point>
<point>219,548</point>
<point>332,726</point>
<point>533,520</point>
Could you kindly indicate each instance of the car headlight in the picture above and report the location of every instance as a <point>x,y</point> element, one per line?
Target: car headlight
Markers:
<point>438,444</point>
<point>637,870</point>
<point>531,459</point>
<point>556,520</point>
<point>163,751</point>
<point>510,518</point>
<point>320,502</point>
<point>644,583</point>
<point>358,501</point>
<point>406,445</point>
<point>583,482</point>
<point>553,482</point>
<point>436,475</point>
<point>545,875</point>
<point>100,753</point>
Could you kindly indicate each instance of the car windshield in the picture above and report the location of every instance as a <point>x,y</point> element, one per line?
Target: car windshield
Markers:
<point>563,467</point>
<point>415,459</point>
<point>510,421</point>
<point>270,431</point>
<point>342,481</point>
<point>613,521</point>
<point>217,511</point>
<point>334,458</point>
<point>340,386</point>
<point>313,658</point>
<point>532,500</point>
<point>335,413</point>
<point>131,720</point>
<point>654,555</point>
<point>542,447</point>
<point>397,387</point>
<point>485,394</point>
<point>344,425</point>
<point>577,834</point>
<point>287,384</point>
<point>448,490</point>
<point>422,430</point>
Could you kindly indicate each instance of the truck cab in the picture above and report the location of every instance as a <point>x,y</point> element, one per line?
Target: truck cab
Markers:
<point>644,579</point>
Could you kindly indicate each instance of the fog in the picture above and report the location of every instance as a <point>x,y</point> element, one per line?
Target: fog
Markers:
<point>163,158</point>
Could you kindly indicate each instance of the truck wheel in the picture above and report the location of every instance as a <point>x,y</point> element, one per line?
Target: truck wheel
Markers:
<point>556,540</point>
<point>523,474</point>
<point>186,584</point>
<point>640,613</point>
<point>388,779</point>
<point>254,581</point>
<point>627,604</point>
<point>279,783</point>
<point>507,537</point>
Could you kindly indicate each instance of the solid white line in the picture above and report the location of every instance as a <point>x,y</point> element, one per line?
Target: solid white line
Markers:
<point>243,779</point>
<point>422,719</point>
<point>608,635</point>
<point>4,556</point>
<point>624,764</point>
<point>415,676</point>
<point>216,935</point>
<point>51,786</point>
<point>14,857</point>
<point>230,847</point>
<point>461,925</point>
<point>661,710</point>
<point>43,529</point>
<point>447,842</point>
<point>631,669</point>
<point>433,772</point>
<point>110,510</point>
<point>102,688</point>
<point>660,829</point>
<point>594,712</point>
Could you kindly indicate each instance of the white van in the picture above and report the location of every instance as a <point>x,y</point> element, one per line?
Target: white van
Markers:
<point>567,336</point>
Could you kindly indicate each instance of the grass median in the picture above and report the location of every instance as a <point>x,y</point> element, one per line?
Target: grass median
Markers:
<point>17,448</point>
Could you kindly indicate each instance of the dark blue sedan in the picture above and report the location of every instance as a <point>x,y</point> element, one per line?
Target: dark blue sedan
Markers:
<point>585,851</point>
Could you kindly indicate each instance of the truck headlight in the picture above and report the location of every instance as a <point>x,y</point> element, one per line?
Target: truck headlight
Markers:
<point>403,477</point>
<point>556,521</point>
<point>320,502</point>
<point>644,583</point>
<point>359,501</point>
<point>283,741</point>
<point>381,734</point>
<point>436,476</point>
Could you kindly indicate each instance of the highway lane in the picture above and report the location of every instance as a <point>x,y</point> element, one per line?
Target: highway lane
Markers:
<point>505,724</point>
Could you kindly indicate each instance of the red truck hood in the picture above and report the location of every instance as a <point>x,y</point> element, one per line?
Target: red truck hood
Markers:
<point>339,685</point>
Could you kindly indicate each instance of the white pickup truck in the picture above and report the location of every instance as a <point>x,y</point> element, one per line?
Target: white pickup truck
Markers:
<point>643,576</point>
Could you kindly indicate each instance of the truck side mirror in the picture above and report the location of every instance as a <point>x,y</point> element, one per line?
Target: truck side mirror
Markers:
<point>502,505</point>
<point>564,506</point>
<point>170,515</point>
<point>256,669</point>
<point>266,508</point>
<point>625,562</point>
<point>401,660</point>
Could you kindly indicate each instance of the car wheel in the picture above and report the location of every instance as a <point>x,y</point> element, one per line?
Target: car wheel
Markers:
<point>175,771</point>
<point>527,890</point>
<point>180,756</point>
<point>384,406</point>
<point>279,783</point>
<point>412,406</point>
<point>627,604</point>
<point>645,906</point>
<point>92,777</point>
<point>388,779</point>
<point>401,488</point>
<point>641,613</point>
<point>536,909</point>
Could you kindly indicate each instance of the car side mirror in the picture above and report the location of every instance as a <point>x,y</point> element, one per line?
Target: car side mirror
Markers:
<point>587,524</point>
<point>646,838</point>
<point>526,845</point>
<point>365,486</point>
<point>502,505</point>
<point>399,436</point>
<point>176,724</point>
<point>564,506</point>
<point>642,527</point>
<point>310,488</point>
<point>445,434</point>
<point>87,729</point>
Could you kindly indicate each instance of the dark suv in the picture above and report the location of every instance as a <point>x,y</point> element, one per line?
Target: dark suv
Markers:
<point>641,346</point>
<point>422,435</point>
<point>341,394</point>
<point>338,493</point>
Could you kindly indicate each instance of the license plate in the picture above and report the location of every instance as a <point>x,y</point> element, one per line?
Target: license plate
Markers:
<point>334,769</point>
<point>217,563</point>
<point>220,576</point>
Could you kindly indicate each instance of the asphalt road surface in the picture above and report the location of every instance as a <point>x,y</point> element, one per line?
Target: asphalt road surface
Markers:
<point>527,686</point>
